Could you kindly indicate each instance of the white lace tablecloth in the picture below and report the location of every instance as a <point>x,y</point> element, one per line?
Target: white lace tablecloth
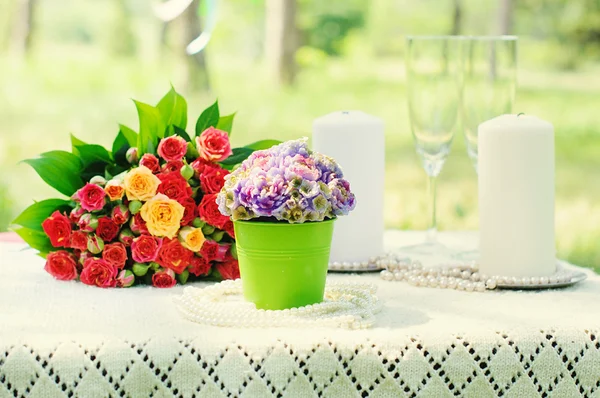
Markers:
<point>62,339</point>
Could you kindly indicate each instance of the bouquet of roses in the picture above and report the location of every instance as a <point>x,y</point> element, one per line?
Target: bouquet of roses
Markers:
<point>145,211</point>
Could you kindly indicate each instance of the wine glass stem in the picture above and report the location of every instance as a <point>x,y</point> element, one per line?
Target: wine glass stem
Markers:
<point>432,230</point>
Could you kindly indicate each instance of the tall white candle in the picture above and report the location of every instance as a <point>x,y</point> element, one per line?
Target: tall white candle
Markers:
<point>516,196</point>
<point>356,141</point>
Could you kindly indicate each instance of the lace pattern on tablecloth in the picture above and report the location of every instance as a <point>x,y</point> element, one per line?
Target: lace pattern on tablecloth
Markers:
<point>550,363</point>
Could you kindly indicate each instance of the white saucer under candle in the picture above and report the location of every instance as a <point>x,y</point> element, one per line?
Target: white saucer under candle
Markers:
<point>516,196</point>
<point>356,141</point>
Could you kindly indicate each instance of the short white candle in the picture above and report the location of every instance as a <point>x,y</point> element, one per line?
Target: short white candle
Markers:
<point>516,196</point>
<point>356,141</point>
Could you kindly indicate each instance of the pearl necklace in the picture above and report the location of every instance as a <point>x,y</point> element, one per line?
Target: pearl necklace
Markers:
<point>467,277</point>
<point>345,305</point>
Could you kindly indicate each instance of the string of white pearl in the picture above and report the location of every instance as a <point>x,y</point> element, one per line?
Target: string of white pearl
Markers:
<point>346,305</point>
<point>465,277</point>
<point>373,264</point>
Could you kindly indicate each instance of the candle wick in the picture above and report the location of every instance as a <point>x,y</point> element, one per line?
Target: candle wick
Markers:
<point>520,114</point>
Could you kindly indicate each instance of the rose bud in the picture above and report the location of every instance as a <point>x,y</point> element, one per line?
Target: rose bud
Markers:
<point>98,180</point>
<point>132,155</point>
<point>198,223</point>
<point>126,237</point>
<point>187,172</point>
<point>120,214</point>
<point>140,269</point>
<point>125,278</point>
<point>164,278</point>
<point>217,235</point>
<point>208,229</point>
<point>183,277</point>
<point>84,256</point>
<point>95,245</point>
<point>192,152</point>
<point>135,206</point>
<point>88,222</point>
<point>76,214</point>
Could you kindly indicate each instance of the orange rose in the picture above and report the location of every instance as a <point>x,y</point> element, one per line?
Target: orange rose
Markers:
<point>114,189</point>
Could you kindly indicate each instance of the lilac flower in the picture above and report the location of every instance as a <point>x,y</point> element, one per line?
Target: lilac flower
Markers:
<point>287,182</point>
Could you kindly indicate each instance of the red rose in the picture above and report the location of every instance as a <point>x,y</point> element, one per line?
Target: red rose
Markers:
<point>172,148</point>
<point>107,229</point>
<point>199,266</point>
<point>229,269</point>
<point>164,278</point>
<point>174,256</point>
<point>209,211</point>
<point>115,254</point>
<point>173,165</point>
<point>191,211</point>
<point>97,272</point>
<point>212,179</point>
<point>198,165</point>
<point>138,225</point>
<point>213,251</point>
<point>78,240</point>
<point>145,248</point>
<point>58,229</point>
<point>150,161</point>
<point>92,197</point>
<point>61,265</point>
<point>120,214</point>
<point>174,186</point>
<point>213,145</point>
<point>228,227</point>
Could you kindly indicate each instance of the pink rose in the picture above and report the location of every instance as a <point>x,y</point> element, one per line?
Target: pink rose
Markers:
<point>61,265</point>
<point>164,278</point>
<point>97,272</point>
<point>92,197</point>
<point>76,214</point>
<point>213,145</point>
<point>145,248</point>
<point>172,148</point>
<point>115,254</point>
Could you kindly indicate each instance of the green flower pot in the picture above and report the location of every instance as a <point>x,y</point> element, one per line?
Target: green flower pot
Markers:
<point>283,265</point>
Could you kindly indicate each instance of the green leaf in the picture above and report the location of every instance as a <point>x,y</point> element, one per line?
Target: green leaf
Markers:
<point>238,156</point>
<point>226,123</point>
<point>75,142</point>
<point>208,118</point>
<point>181,133</point>
<point>59,169</point>
<point>173,109</point>
<point>91,153</point>
<point>126,139</point>
<point>263,144</point>
<point>129,134</point>
<point>33,216</point>
<point>152,128</point>
<point>36,239</point>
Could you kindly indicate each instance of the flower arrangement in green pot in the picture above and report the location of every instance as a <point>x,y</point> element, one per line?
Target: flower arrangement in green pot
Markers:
<point>283,202</point>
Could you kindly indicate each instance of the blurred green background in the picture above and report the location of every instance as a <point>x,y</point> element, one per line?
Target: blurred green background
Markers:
<point>73,68</point>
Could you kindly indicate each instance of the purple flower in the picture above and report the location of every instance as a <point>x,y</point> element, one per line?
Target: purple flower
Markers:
<point>287,182</point>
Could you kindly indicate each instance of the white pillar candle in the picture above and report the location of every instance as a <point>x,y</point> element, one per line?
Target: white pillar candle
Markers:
<point>516,196</point>
<point>356,141</point>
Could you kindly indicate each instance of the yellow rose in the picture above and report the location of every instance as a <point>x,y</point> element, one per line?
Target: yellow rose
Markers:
<point>162,216</point>
<point>140,184</point>
<point>191,238</point>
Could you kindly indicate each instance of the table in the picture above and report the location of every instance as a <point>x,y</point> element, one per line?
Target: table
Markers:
<point>62,339</point>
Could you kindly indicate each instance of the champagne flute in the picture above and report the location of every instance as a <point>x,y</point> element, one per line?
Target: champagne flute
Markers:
<point>489,83</point>
<point>433,65</point>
